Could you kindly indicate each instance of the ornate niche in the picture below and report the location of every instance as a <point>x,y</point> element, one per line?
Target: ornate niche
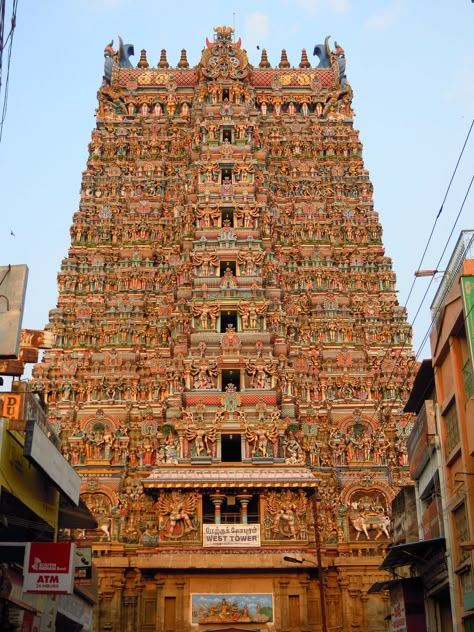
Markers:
<point>287,515</point>
<point>368,513</point>
<point>179,518</point>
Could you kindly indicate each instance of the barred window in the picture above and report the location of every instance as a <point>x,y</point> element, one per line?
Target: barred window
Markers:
<point>452,428</point>
<point>468,379</point>
<point>462,530</point>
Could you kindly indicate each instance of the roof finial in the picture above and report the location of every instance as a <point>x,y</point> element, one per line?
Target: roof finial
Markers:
<point>304,63</point>
<point>264,63</point>
<point>163,63</point>
<point>284,63</point>
<point>143,63</point>
<point>183,61</point>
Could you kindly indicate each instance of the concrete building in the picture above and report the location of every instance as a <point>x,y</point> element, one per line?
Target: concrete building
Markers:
<point>440,450</point>
<point>39,498</point>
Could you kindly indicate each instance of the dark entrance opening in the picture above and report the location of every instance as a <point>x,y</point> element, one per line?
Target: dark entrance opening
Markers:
<point>226,176</point>
<point>231,448</point>
<point>230,376</point>
<point>227,217</point>
<point>228,318</point>
<point>228,264</point>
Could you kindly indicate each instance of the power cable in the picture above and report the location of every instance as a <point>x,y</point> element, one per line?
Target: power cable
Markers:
<point>440,306</point>
<point>9,42</point>
<point>404,342</point>
<point>440,210</point>
<point>445,248</point>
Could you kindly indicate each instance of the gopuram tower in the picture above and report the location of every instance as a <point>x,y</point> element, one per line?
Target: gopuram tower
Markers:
<point>230,359</point>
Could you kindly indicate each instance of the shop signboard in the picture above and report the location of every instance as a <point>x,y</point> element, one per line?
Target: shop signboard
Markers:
<point>49,567</point>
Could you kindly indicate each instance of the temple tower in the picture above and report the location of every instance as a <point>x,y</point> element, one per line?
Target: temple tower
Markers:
<point>230,359</point>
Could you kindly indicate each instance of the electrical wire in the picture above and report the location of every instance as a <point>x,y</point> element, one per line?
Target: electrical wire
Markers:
<point>444,250</point>
<point>412,363</point>
<point>8,42</point>
<point>440,210</point>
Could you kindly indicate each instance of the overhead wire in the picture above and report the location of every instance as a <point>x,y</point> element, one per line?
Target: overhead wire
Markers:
<point>404,343</point>
<point>440,210</point>
<point>3,45</point>
<point>442,255</point>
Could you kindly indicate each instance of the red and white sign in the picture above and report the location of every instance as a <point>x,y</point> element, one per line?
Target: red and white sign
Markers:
<point>49,567</point>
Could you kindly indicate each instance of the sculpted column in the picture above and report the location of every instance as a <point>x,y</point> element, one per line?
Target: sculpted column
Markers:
<point>180,605</point>
<point>244,500</point>
<point>110,599</point>
<point>159,583</point>
<point>305,583</point>
<point>217,500</point>
<point>282,599</point>
<point>130,600</point>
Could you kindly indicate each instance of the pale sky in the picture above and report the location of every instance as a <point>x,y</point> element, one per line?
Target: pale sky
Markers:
<point>410,64</point>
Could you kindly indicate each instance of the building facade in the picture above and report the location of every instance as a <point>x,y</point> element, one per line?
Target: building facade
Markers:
<point>230,359</point>
<point>440,450</point>
<point>452,349</point>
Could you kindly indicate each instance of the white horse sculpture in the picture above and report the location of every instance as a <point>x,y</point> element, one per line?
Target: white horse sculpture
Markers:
<point>363,523</point>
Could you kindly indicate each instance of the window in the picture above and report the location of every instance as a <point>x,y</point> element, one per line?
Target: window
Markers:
<point>231,448</point>
<point>452,427</point>
<point>227,217</point>
<point>468,379</point>
<point>226,266</point>
<point>230,376</point>
<point>227,134</point>
<point>229,317</point>
<point>226,176</point>
<point>231,509</point>
<point>462,531</point>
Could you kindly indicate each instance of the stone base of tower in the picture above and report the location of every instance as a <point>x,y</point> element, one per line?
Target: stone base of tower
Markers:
<point>190,591</point>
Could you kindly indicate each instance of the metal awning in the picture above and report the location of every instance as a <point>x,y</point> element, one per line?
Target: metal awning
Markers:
<point>412,552</point>
<point>391,583</point>
<point>230,477</point>
<point>384,585</point>
<point>72,517</point>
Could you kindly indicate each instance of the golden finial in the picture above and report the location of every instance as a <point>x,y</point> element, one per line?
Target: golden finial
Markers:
<point>183,62</point>
<point>163,63</point>
<point>143,63</point>
<point>304,63</point>
<point>284,63</point>
<point>264,63</point>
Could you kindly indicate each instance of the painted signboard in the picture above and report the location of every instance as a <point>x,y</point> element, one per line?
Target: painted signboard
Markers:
<point>49,567</point>
<point>467,285</point>
<point>231,608</point>
<point>231,535</point>
<point>398,620</point>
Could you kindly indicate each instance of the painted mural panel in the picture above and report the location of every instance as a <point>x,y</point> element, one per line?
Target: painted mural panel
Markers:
<point>231,608</point>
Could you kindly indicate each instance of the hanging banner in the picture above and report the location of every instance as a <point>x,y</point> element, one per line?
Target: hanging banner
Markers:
<point>49,567</point>
<point>231,535</point>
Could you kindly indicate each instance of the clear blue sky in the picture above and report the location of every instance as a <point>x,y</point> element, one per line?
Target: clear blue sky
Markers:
<point>409,62</point>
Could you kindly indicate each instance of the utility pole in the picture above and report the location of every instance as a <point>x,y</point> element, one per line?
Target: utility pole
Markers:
<point>321,570</point>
